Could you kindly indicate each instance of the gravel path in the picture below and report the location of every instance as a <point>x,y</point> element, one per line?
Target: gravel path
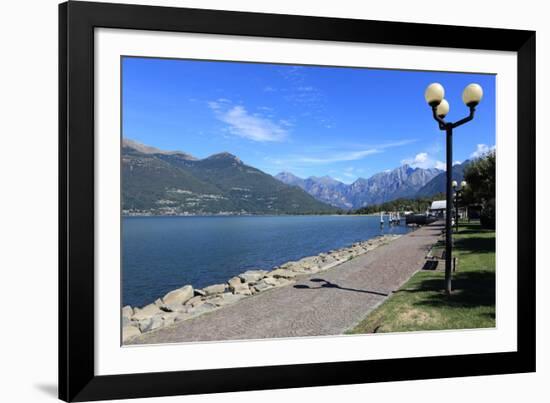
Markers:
<point>326,303</point>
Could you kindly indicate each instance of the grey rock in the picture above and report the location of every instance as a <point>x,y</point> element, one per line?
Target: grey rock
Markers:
<point>179,296</point>
<point>152,323</point>
<point>174,308</point>
<point>145,324</point>
<point>289,265</point>
<point>199,292</point>
<point>214,289</point>
<point>129,332</point>
<point>127,311</point>
<point>306,263</point>
<point>128,322</point>
<point>262,285</point>
<point>146,312</point>
<point>234,281</point>
<point>195,301</point>
<point>169,318</point>
<point>225,299</point>
<point>241,288</point>
<point>251,276</point>
<point>271,281</point>
<point>277,282</point>
<point>285,273</point>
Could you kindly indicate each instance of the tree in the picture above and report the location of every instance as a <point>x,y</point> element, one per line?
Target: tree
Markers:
<point>418,205</point>
<point>481,178</point>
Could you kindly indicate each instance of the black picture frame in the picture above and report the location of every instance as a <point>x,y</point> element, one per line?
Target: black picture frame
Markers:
<point>77,379</point>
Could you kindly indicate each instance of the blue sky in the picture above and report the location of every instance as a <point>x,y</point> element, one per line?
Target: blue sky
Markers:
<point>311,121</point>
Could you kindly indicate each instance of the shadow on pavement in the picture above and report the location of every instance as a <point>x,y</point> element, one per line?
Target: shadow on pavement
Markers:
<point>328,284</point>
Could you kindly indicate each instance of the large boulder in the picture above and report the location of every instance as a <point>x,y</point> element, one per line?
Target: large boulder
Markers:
<point>285,273</point>
<point>195,301</point>
<point>241,288</point>
<point>271,281</point>
<point>277,281</point>
<point>251,276</point>
<point>127,311</point>
<point>234,281</point>
<point>126,321</point>
<point>179,296</point>
<point>290,266</point>
<point>214,289</point>
<point>199,292</point>
<point>262,285</point>
<point>152,323</point>
<point>146,312</point>
<point>174,308</point>
<point>309,261</point>
<point>129,332</point>
<point>225,299</point>
<point>169,318</point>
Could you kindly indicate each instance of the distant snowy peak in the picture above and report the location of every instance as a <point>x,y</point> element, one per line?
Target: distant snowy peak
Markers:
<point>404,181</point>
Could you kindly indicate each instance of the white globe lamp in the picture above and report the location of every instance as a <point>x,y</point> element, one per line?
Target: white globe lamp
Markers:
<point>434,94</point>
<point>472,95</point>
<point>443,108</point>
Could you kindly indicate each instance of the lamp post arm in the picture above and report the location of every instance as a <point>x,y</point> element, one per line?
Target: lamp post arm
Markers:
<point>467,118</point>
<point>442,123</point>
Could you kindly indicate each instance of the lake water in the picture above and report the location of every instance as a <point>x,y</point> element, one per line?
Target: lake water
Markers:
<point>164,253</point>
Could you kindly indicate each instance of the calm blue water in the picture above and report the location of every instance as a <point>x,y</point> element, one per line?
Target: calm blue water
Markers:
<point>164,253</point>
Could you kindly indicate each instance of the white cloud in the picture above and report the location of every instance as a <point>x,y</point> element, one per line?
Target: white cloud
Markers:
<point>284,122</point>
<point>332,154</point>
<point>241,123</point>
<point>265,108</point>
<point>457,162</point>
<point>219,104</point>
<point>347,156</point>
<point>481,150</point>
<point>420,158</point>
<point>423,160</point>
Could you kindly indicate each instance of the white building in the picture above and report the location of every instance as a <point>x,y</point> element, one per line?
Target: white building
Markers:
<point>438,206</point>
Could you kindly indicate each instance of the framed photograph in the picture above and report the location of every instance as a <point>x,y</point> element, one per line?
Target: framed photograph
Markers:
<point>257,201</point>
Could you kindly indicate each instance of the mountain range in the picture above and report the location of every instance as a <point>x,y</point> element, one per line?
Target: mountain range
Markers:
<point>437,184</point>
<point>402,182</point>
<point>157,182</point>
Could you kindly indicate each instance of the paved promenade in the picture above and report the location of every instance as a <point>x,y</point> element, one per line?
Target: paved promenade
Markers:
<point>326,303</point>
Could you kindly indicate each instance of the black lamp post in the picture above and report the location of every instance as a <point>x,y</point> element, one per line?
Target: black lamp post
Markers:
<point>440,108</point>
<point>458,196</point>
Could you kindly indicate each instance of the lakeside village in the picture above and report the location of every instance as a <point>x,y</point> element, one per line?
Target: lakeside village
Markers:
<point>434,210</point>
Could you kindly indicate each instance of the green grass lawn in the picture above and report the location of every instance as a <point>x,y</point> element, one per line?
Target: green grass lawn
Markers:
<point>421,304</point>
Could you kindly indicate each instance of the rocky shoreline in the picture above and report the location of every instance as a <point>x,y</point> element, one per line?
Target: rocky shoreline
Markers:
<point>186,302</point>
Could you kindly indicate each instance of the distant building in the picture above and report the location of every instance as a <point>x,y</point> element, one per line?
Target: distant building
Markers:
<point>438,206</point>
